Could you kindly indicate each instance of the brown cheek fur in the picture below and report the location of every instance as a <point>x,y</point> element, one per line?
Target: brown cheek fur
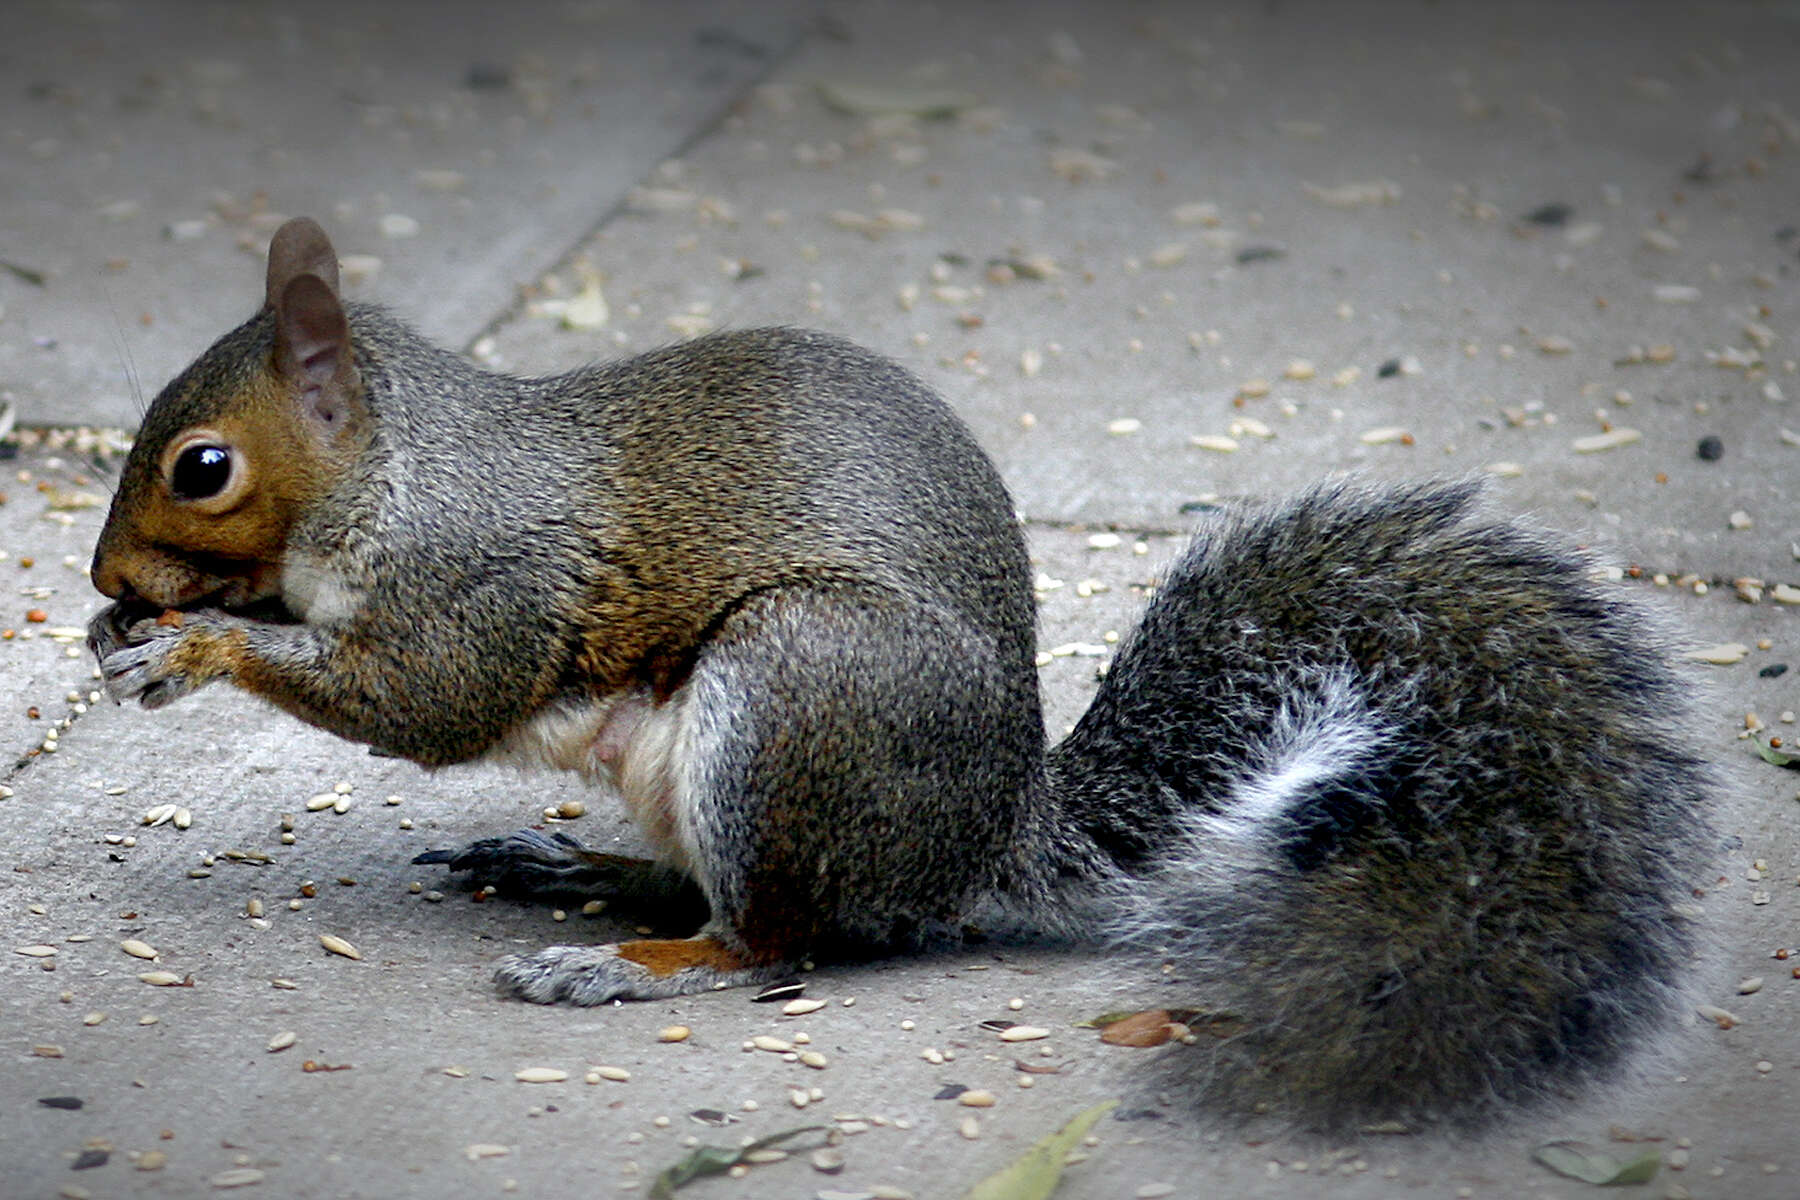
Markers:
<point>287,476</point>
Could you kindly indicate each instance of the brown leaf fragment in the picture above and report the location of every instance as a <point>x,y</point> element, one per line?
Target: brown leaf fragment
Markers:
<point>1149,1028</point>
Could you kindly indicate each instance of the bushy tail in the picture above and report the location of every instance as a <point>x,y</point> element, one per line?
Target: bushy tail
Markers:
<point>1405,791</point>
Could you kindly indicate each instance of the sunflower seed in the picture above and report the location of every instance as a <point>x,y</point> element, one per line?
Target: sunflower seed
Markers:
<point>338,945</point>
<point>540,1075</point>
<point>138,949</point>
<point>282,1041</point>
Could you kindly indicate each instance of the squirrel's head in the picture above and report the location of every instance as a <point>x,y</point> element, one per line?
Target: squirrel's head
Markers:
<point>239,446</point>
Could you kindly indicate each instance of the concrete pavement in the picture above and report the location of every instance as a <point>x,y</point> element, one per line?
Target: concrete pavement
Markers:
<point>1551,242</point>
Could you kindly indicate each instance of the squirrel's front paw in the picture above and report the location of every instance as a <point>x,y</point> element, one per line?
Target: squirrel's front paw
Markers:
<point>155,660</point>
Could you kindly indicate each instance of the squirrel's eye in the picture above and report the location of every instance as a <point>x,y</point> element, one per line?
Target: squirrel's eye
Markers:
<point>200,472</point>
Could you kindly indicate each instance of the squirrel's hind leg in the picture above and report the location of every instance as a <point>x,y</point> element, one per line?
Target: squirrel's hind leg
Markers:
<point>650,969</point>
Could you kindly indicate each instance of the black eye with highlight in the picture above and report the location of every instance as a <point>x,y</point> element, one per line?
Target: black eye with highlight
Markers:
<point>200,472</point>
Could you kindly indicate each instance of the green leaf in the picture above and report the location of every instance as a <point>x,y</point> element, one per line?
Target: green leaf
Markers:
<point>1779,758</point>
<point>715,1160</point>
<point>1578,1160</point>
<point>1035,1174</point>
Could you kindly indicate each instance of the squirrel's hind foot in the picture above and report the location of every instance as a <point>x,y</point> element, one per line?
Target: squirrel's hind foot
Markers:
<point>643,970</point>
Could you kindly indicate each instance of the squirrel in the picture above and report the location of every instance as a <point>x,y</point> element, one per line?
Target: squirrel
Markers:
<point>1400,787</point>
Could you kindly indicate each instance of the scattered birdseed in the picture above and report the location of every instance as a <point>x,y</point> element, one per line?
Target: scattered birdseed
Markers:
<point>237,1177</point>
<point>813,1059</point>
<point>970,1128</point>
<point>1386,435</point>
<point>1214,442</point>
<point>337,945</point>
<point>282,1041</point>
<point>799,1008</point>
<point>615,1074</point>
<point>35,951</point>
<point>673,1033</point>
<point>480,1150</point>
<point>1718,1016</point>
<point>1123,425</point>
<point>1721,655</point>
<point>540,1075</point>
<point>321,802</point>
<point>976,1098</point>
<point>138,949</point>
<point>161,978</point>
<point>1024,1033</point>
<point>773,1045</point>
<point>568,810</point>
<point>1750,986</point>
<point>1610,440</point>
<point>157,814</point>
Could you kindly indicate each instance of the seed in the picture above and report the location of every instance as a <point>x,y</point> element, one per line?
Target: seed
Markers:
<point>673,1033</point>
<point>826,1160</point>
<point>970,1128</point>
<point>1765,1066</point>
<point>152,1160</point>
<point>182,818</point>
<point>774,1045</point>
<point>1386,435</point>
<point>138,949</point>
<point>157,814</point>
<point>282,1041</point>
<point>1717,1016</point>
<point>479,1150</point>
<point>1217,443</point>
<point>540,1075</point>
<point>1154,1191</point>
<point>1123,425</point>
<point>237,1177</point>
<point>1612,439</point>
<point>47,1050</point>
<point>1016,1003</point>
<point>616,1074</point>
<point>1721,655</point>
<point>813,1059</point>
<point>93,1018</point>
<point>161,978</point>
<point>338,945</point>
<point>321,802</point>
<point>568,810</point>
<point>798,1098</point>
<point>799,1008</point>
<point>35,951</point>
<point>1750,986</point>
<point>976,1098</point>
<point>253,907</point>
<point>1024,1033</point>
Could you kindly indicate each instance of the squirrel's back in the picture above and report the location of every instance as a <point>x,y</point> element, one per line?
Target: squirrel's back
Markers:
<point>1403,793</point>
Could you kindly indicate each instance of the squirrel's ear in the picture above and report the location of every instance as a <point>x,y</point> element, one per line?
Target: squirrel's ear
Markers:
<point>298,248</point>
<point>312,348</point>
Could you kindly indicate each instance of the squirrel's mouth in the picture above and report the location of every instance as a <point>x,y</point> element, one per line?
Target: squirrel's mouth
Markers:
<point>132,608</point>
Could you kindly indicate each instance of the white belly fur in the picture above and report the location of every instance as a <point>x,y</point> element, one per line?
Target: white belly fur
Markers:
<point>627,743</point>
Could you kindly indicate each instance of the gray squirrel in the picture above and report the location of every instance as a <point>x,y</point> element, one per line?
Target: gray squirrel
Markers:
<point>1394,783</point>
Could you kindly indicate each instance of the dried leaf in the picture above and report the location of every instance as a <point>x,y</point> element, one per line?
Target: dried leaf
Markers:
<point>1578,1160</point>
<point>716,1160</point>
<point>1152,1028</point>
<point>1035,1174</point>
